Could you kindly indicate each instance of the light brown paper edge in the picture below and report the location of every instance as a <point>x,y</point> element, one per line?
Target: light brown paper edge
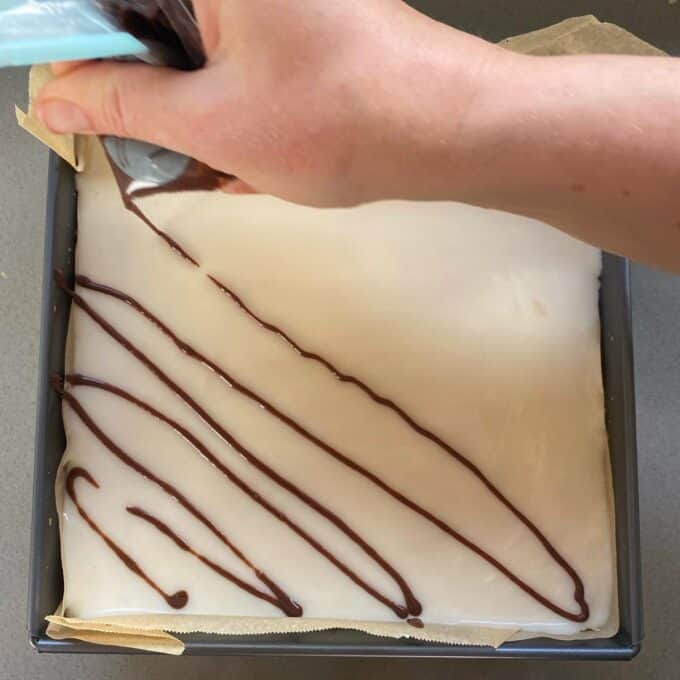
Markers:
<point>579,35</point>
<point>105,633</point>
<point>145,630</point>
<point>63,145</point>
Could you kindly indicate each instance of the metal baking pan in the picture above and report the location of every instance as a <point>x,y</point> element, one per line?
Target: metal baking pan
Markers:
<point>45,589</point>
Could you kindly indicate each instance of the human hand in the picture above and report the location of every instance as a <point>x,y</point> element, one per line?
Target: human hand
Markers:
<point>332,103</point>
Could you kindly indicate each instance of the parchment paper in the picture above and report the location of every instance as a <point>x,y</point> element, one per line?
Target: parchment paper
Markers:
<point>575,36</point>
<point>63,145</point>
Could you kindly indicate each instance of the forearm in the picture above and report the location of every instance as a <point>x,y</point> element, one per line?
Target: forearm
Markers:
<point>588,144</point>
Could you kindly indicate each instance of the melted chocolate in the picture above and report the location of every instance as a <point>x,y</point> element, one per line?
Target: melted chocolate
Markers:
<point>130,205</point>
<point>416,623</point>
<point>176,600</point>
<point>81,380</point>
<point>413,606</point>
<point>281,600</point>
<point>579,591</point>
<point>166,27</point>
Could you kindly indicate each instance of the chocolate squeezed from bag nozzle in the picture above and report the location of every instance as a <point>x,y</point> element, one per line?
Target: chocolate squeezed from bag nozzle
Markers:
<point>197,177</point>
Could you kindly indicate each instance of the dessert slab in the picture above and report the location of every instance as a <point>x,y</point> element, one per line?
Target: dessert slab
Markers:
<point>617,363</point>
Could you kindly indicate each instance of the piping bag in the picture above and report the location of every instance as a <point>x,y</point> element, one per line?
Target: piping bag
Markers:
<point>168,28</point>
<point>158,32</point>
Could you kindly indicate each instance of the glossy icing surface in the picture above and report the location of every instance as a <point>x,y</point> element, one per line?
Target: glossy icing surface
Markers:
<point>482,328</point>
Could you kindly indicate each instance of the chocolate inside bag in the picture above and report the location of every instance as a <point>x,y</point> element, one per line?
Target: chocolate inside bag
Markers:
<point>167,27</point>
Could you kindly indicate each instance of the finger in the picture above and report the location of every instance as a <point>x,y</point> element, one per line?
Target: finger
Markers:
<point>126,100</point>
<point>61,68</point>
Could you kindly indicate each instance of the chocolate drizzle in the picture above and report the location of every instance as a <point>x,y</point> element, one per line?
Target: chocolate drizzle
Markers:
<point>579,591</point>
<point>85,381</point>
<point>176,600</point>
<point>413,606</point>
<point>132,207</point>
<point>281,600</point>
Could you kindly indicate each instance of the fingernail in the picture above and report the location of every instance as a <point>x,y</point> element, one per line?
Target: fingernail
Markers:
<point>62,117</point>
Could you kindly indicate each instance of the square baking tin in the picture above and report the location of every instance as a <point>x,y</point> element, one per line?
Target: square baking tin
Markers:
<point>46,586</point>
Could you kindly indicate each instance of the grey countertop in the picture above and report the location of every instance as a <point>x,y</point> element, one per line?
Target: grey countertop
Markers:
<point>657,363</point>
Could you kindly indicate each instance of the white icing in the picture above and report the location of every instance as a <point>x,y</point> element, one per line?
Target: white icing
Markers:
<point>482,325</point>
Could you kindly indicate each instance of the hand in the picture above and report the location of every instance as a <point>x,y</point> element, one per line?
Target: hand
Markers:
<point>322,103</point>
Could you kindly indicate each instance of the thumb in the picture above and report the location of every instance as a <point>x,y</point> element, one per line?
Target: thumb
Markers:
<point>126,100</point>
